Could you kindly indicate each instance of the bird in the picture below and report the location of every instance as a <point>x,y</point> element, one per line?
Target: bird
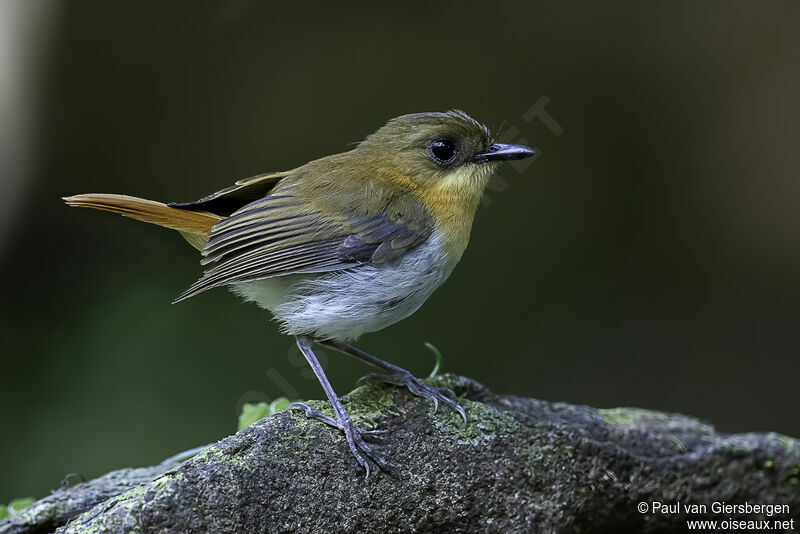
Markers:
<point>343,245</point>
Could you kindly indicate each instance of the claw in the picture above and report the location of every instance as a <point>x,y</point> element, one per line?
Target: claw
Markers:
<point>353,435</point>
<point>420,389</point>
<point>367,378</point>
<point>462,413</point>
<point>397,380</point>
<point>308,409</point>
<point>435,394</point>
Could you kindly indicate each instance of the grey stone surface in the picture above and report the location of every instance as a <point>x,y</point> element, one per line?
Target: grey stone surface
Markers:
<point>520,465</point>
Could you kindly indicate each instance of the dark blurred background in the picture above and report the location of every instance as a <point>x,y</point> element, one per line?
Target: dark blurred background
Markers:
<point>648,257</point>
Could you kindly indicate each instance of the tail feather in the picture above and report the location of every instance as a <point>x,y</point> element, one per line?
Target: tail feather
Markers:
<point>193,225</point>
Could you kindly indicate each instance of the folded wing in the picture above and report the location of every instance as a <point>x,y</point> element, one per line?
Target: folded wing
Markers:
<point>230,199</point>
<point>284,233</point>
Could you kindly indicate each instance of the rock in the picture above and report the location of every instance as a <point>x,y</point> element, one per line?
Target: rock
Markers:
<point>520,465</point>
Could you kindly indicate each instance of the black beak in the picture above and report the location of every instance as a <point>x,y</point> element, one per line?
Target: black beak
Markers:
<point>502,151</point>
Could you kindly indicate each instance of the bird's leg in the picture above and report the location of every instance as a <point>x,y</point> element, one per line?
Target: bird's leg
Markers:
<point>342,421</point>
<point>400,377</point>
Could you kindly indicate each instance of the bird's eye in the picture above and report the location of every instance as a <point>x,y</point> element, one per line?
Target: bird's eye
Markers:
<point>443,151</point>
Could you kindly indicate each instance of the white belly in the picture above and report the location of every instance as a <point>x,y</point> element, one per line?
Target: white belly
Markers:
<point>343,305</point>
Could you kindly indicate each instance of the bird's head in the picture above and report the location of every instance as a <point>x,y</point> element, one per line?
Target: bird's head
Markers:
<point>447,153</point>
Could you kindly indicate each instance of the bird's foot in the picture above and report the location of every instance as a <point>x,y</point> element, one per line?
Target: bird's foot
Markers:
<point>419,388</point>
<point>355,437</point>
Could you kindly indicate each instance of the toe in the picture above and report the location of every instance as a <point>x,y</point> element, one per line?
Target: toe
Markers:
<point>313,413</point>
<point>435,395</point>
<point>360,449</point>
<point>308,409</point>
<point>446,391</point>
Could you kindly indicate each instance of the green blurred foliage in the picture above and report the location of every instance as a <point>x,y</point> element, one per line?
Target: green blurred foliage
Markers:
<point>15,506</point>
<point>649,257</point>
<point>252,412</point>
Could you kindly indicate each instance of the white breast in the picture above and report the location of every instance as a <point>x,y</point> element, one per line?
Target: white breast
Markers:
<point>343,305</point>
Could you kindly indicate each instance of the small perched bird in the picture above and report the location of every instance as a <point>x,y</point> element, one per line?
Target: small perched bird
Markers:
<point>343,245</point>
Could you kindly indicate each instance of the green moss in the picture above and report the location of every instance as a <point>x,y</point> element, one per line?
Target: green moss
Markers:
<point>628,416</point>
<point>132,493</point>
<point>793,477</point>
<point>215,455</point>
<point>483,423</point>
<point>301,423</point>
<point>678,443</point>
<point>371,401</point>
<point>789,443</point>
<point>164,482</point>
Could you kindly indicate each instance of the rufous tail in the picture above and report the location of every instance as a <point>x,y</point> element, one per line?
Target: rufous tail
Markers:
<point>193,225</point>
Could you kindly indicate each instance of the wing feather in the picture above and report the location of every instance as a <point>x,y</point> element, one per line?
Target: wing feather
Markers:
<point>230,199</point>
<point>283,234</point>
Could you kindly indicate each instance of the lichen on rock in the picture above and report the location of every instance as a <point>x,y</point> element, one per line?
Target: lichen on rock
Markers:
<point>519,465</point>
